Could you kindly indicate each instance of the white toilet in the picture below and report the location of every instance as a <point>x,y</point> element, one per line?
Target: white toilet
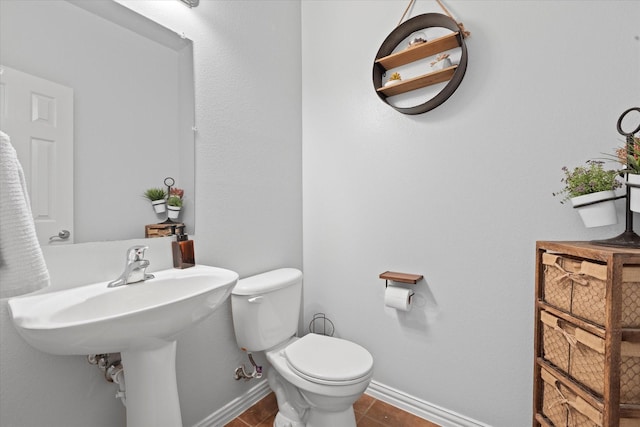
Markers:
<point>316,378</point>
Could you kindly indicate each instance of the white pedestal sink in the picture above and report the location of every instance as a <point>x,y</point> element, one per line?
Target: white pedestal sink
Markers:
<point>141,321</point>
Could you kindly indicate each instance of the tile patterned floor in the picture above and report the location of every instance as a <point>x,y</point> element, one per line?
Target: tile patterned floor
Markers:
<point>370,412</point>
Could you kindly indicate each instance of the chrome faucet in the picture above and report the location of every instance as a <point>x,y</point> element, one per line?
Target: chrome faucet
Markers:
<point>135,268</point>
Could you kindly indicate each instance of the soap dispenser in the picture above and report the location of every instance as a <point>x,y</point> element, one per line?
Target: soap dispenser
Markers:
<point>183,253</point>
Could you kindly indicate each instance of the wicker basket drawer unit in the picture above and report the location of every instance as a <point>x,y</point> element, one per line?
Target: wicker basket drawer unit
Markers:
<point>578,286</point>
<point>587,335</point>
<point>564,408</point>
<point>581,355</point>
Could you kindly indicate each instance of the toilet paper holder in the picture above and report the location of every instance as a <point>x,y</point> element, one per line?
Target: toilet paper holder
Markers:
<point>394,276</point>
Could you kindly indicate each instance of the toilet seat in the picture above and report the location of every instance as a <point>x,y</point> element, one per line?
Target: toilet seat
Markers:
<point>328,360</point>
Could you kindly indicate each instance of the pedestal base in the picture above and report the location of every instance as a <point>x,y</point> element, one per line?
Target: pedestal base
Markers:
<point>628,239</point>
<point>151,387</point>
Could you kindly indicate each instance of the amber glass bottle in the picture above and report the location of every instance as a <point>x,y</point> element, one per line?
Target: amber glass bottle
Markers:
<point>183,253</point>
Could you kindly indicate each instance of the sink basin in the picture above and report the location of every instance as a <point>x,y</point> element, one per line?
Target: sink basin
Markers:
<point>141,321</point>
<point>94,319</point>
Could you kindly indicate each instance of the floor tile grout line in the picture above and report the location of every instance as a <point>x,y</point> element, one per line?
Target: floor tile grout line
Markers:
<point>373,400</point>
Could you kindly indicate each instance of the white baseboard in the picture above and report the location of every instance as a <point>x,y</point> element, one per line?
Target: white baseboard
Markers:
<point>236,407</point>
<point>422,409</point>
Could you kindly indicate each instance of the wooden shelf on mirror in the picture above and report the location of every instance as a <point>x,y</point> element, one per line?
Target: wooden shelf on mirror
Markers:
<point>419,82</point>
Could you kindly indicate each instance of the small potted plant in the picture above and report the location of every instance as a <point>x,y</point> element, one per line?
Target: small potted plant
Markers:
<point>591,189</point>
<point>629,157</point>
<point>174,204</point>
<point>395,78</point>
<point>157,197</point>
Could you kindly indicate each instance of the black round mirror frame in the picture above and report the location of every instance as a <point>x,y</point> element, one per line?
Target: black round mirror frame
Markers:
<point>403,31</point>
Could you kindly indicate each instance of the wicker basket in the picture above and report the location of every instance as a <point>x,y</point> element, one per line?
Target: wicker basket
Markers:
<point>556,347</point>
<point>579,287</point>
<point>580,355</point>
<point>563,408</point>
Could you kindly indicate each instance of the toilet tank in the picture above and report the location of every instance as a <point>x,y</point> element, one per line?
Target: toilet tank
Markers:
<point>266,308</point>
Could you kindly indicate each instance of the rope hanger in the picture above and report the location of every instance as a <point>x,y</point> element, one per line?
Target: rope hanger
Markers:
<point>460,25</point>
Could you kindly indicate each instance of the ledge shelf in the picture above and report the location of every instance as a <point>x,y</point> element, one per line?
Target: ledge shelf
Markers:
<point>419,82</point>
<point>401,277</point>
<point>424,50</point>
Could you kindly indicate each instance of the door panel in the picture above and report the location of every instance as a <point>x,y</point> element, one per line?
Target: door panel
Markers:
<point>37,114</point>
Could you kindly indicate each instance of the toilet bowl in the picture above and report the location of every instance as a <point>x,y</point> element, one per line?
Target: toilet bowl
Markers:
<point>316,378</point>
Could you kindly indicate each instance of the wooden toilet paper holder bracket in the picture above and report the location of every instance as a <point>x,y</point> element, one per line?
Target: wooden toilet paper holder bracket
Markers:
<point>412,279</point>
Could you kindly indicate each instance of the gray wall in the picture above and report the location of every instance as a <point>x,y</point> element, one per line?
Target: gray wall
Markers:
<point>459,194</point>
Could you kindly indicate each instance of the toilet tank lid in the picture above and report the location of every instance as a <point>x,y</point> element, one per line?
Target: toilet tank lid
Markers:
<point>267,282</point>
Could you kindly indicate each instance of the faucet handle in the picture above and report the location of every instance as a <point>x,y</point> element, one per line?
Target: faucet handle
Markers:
<point>136,253</point>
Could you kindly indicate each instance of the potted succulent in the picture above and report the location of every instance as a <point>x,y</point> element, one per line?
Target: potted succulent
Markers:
<point>157,197</point>
<point>174,204</point>
<point>629,157</point>
<point>395,78</point>
<point>591,189</point>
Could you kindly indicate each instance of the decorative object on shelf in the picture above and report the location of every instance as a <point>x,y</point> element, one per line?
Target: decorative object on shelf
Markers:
<point>442,61</point>
<point>395,78</point>
<point>174,204</point>
<point>167,200</point>
<point>628,126</point>
<point>417,39</point>
<point>387,60</point>
<point>591,190</point>
<point>157,197</point>
<point>629,157</point>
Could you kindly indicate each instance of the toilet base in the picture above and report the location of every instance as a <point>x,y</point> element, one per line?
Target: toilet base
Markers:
<point>283,421</point>
<point>346,418</point>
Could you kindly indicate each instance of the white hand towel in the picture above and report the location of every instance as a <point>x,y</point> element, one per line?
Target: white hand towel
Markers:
<point>22,265</point>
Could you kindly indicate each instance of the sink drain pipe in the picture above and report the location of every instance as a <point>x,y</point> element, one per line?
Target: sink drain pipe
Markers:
<point>113,370</point>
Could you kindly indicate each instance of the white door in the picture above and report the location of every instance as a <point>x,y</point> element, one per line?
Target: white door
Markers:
<point>37,114</point>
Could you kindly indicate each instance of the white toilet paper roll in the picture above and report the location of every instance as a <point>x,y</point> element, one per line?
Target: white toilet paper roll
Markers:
<point>398,298</point>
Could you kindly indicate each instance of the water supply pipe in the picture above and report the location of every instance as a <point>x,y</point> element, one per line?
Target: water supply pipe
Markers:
<point>241,373</point>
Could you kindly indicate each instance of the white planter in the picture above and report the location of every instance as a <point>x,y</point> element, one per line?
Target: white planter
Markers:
<point>174,211</point>
<point>159,205</point>
<point>598,214</point>
<point>634,192</point>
